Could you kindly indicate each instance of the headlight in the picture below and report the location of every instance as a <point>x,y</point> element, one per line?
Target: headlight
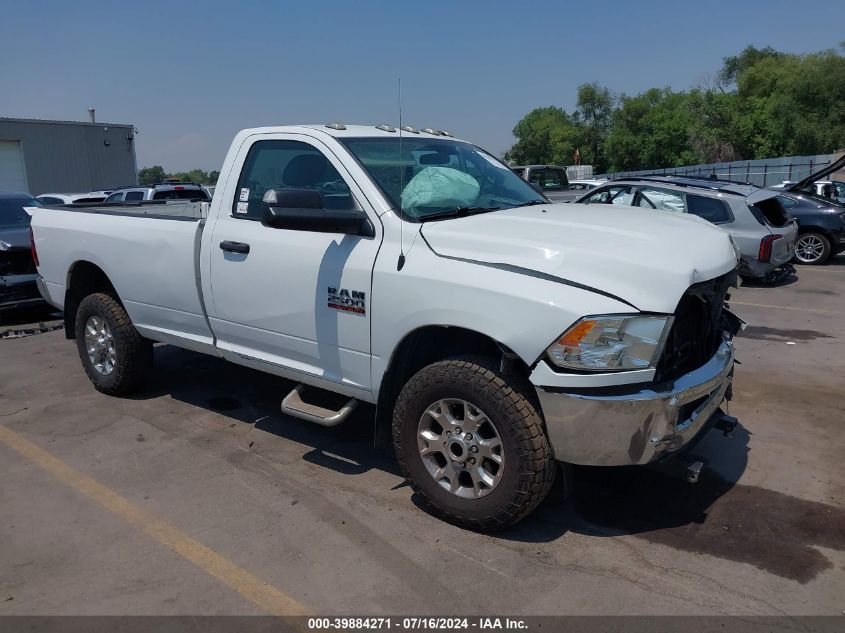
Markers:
<point>611,343</point>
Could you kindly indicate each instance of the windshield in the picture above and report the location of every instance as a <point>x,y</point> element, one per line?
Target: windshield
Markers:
<point>436,176</point>
<point>12,214</point>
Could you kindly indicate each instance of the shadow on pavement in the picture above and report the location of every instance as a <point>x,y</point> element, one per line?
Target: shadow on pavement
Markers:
<point>717,516</point>
<point>29,316</point>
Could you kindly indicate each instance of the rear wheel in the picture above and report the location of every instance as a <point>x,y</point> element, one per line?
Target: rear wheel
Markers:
<point>115,356</point>
<point>471,443</point>
<point>812,248</point>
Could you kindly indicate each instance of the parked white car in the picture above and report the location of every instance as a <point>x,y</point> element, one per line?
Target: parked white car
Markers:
<point>586,185</point>
<point>495,332</point>
<point>71,198</point>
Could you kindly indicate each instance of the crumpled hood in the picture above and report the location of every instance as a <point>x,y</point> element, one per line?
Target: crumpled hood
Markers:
<point>647,258</point>
<point>14,239</point>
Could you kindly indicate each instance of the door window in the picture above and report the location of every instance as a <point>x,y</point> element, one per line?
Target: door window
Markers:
<point>134,195</point>
<point>711,209</point>
<point>616,194</point>
<point>661,199</point>
<point>115,197</point>
<point>287,165</point>
<point>549,179</point>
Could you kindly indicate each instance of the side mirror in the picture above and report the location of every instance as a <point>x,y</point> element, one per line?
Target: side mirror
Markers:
<point>302,210</point>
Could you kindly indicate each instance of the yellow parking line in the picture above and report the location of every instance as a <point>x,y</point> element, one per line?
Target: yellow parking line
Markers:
<point>797,309</point>
<point>252,588</point>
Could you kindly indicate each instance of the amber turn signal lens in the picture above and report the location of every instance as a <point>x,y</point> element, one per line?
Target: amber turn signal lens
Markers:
<point>574,335</point>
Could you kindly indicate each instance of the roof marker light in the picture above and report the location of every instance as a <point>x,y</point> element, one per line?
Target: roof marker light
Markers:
<point>429,130</point>
<point>336,126</point>
<point>411,129</point>
<point>384,127</point>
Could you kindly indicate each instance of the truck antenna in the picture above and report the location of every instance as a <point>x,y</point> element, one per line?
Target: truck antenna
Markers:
<point>401,262</point>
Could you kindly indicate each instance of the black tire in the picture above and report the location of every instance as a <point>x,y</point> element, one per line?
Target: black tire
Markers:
<point>820,239</point>
<point>133,353</point>
<point>528,469</point>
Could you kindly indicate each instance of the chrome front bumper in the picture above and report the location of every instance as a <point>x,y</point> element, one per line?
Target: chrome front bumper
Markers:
<point>637,427</point>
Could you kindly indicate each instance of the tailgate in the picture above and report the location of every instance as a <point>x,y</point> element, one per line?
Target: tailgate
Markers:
<point>768,210</point>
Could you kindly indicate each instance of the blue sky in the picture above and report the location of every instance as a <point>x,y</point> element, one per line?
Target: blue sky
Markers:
<point>189,75</point>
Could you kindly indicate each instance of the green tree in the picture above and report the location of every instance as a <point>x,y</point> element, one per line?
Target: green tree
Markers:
<point>765,103</point>
<point>791,105</point>
<point>150,175</point>
<point>545,136</point>
<point>651,130</point>
<point>734,66</point>
<point>594,113</point>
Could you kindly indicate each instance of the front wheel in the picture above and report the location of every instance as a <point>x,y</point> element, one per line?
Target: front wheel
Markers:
<point>812,248</point>
<point>472,444</point>
<point>115,356</point>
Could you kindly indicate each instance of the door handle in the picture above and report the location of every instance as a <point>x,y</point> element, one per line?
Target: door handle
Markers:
<point>234,247</point>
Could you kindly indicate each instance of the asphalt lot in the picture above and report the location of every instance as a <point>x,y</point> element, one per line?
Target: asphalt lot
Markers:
<point>198,497</point>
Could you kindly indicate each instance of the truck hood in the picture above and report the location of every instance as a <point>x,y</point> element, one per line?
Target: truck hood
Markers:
<point>643,257</point>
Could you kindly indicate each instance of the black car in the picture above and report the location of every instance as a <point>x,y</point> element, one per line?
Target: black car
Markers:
<point>17,269</point>
<point>821,226</point>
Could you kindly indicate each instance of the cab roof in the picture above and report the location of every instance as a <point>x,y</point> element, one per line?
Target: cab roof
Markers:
<point>340,130</point>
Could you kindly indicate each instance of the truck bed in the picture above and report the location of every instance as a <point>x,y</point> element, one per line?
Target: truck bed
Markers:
<point>160,209</point>
<point>149,252</point>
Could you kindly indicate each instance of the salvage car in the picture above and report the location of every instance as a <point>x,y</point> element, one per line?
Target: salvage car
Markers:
<point>18,288</point>
<point>821,226</point>
<point>496,333</point>
<point>550,179</point>
<point>70,198</point>
<point>833,189</point>
<point>586,185</point>
<point>159,191</point>
<point>755,220</point>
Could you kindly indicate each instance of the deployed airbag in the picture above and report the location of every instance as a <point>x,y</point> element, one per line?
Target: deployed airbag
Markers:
<point>440,187</point>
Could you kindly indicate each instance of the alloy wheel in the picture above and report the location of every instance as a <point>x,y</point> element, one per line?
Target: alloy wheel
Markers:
<point>461,448</point>
<point>100,345</point>
<point>809,248</point>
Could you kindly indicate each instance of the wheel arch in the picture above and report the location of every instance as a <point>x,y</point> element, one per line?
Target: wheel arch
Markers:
<point>429,344</point>
<point>815,228</point>
<point>83,278</point>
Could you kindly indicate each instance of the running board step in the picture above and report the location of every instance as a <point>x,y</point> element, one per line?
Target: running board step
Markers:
<point>295,406</point>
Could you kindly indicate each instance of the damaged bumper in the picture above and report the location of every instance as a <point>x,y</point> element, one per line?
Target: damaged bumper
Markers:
<point>19,291</point>
<point>640,426</point>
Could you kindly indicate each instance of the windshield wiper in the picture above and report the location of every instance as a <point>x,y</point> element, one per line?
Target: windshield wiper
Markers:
<point>531,203</point>
<point>458,212</point>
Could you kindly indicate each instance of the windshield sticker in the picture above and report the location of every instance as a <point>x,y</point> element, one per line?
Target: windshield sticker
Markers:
<point>244,194</point>
<point>353,301</point>
<point>243,207</point>
<point>493,161</point>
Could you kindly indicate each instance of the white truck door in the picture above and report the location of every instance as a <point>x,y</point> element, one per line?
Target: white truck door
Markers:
<point>294,299</point>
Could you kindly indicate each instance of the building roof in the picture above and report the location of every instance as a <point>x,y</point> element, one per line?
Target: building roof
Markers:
<point>4,119</point>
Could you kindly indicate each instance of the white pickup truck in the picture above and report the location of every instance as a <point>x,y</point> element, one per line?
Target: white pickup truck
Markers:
<point>496,333</point>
